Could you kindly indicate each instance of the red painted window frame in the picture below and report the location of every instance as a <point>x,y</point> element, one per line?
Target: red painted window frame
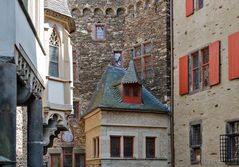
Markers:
<point>131,98</point>
<point>153,147</point>
<point>96,36</point>
<point>205,65</point>
<point>119,146</point>
<point>59,165</point>
<point>67,154</point>
<point>131,137</point>
<point>198,5</point>
<point>202,65</point>
<point>183,75</point>
<point>75,67</point>
<point>195,68</point>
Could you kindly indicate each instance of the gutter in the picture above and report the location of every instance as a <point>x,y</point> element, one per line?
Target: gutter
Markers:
<point>172,85</point>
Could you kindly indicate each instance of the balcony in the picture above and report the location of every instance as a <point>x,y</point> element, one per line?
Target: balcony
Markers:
<point>229,149</point>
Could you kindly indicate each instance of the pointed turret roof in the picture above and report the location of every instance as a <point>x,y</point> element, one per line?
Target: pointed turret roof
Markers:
<point>108,93</point>
<point>131,75</point>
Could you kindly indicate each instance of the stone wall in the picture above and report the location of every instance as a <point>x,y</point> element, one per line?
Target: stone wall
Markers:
<point>128,23</point>
<point>215,105</point>
<point>21,137</point>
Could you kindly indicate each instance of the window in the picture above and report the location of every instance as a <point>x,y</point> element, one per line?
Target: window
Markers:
<point>150,147</point>
<point>76,108</point>
<point>67,157</point>
<point>132,93</point>
<point>195,143</point>
<point>115,146</point>
<point>79,160</point>
<point>229,144</point>
<point>100,32</point>
<point>193,5</point>
<point>96,147</point>
<point>143,60</point>
<point>200,69</point>
<point>117,58</point>
<point>75,72</point>
<point>55,160</point>
<point>199,4</point>
<point>54,54</point>
<point>128,147</point>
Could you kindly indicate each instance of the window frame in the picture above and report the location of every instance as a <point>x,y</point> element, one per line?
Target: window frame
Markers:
<point>60,159</point>
<point>80,155</point>
<point>198,7</point>
<point>195,146</point>
<point>121,58</point>
<point>132,147</point>
<point>96,147</point>
<point>131,98</point>
<point>200,52</point>
<point>96,32</point>
<point>154,146</point>
<point>119,150</point>
<point>143,69</point>
<point>67,154</point>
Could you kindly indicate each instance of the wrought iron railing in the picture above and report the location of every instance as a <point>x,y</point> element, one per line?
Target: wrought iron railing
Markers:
<point>229,148</point>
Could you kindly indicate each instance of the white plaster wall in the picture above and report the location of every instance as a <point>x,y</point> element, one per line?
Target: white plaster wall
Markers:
<point>56,92</point>
<point>7,32</point>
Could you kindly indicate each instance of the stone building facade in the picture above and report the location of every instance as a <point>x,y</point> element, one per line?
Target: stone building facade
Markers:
<point>128,27</point>
<point>126,129</point>
<point>206,83</point>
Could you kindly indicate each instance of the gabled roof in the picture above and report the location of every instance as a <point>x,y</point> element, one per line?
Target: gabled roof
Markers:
<point>131,75</point>
<point>108,96</point>
<point>59,6</point>
<point>59,9</point>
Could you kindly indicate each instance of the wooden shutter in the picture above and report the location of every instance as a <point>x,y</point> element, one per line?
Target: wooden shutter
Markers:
<point>233,55</point>
<point>183,75</point>
<point>214,63</point>
<point>189,7</point>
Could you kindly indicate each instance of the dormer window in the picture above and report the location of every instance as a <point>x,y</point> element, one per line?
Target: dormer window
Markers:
<point>132,93</point>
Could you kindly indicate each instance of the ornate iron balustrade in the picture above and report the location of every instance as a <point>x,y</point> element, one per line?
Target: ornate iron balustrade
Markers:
<point>229,148</point>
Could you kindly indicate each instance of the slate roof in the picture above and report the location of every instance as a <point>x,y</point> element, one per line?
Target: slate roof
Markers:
<point>131,75</point>
<point>107,94</point>
<point>59,6</point>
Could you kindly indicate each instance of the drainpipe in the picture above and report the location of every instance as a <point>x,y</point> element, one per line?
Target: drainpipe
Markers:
<point>172,85</point>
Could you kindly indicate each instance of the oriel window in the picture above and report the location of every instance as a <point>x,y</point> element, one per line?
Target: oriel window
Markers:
<point>54,54</point>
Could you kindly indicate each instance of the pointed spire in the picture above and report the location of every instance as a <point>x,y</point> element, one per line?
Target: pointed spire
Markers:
<point>131,75</point>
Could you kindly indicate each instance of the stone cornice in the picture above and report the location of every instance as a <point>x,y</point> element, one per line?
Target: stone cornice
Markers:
<point>67,21</point>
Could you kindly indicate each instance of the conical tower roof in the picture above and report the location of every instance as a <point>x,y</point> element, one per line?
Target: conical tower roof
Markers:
<point>131,75</point>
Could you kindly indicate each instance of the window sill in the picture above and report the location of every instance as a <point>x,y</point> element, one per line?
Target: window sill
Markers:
<point>57,79</point>
<point>199,90</point>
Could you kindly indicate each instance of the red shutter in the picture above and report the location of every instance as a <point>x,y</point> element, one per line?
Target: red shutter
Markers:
<point>189,7</point>
<point>233,55</point>
<point>183,75</point>
<point>214,58</point>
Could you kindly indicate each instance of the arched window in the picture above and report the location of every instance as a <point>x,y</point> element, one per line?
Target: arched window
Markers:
<point>54,54</point>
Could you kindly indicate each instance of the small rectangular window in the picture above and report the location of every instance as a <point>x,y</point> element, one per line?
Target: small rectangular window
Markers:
<point>55,160</point>
<point>147,49</point>
<point>96,147</point>
<point>137,51</point>
<point>67,157</point>
<point>100,32</point>
<point>195,143</point>
<point>79,160</point>
<point>150,147</point>
<point>127,91</point>
<point>115,146</point>
<point>117,58</point>
<point>128,147</point>
<point>76,108</point>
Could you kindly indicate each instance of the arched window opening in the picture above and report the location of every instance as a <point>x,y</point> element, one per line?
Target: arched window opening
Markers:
<point>54,46</point>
